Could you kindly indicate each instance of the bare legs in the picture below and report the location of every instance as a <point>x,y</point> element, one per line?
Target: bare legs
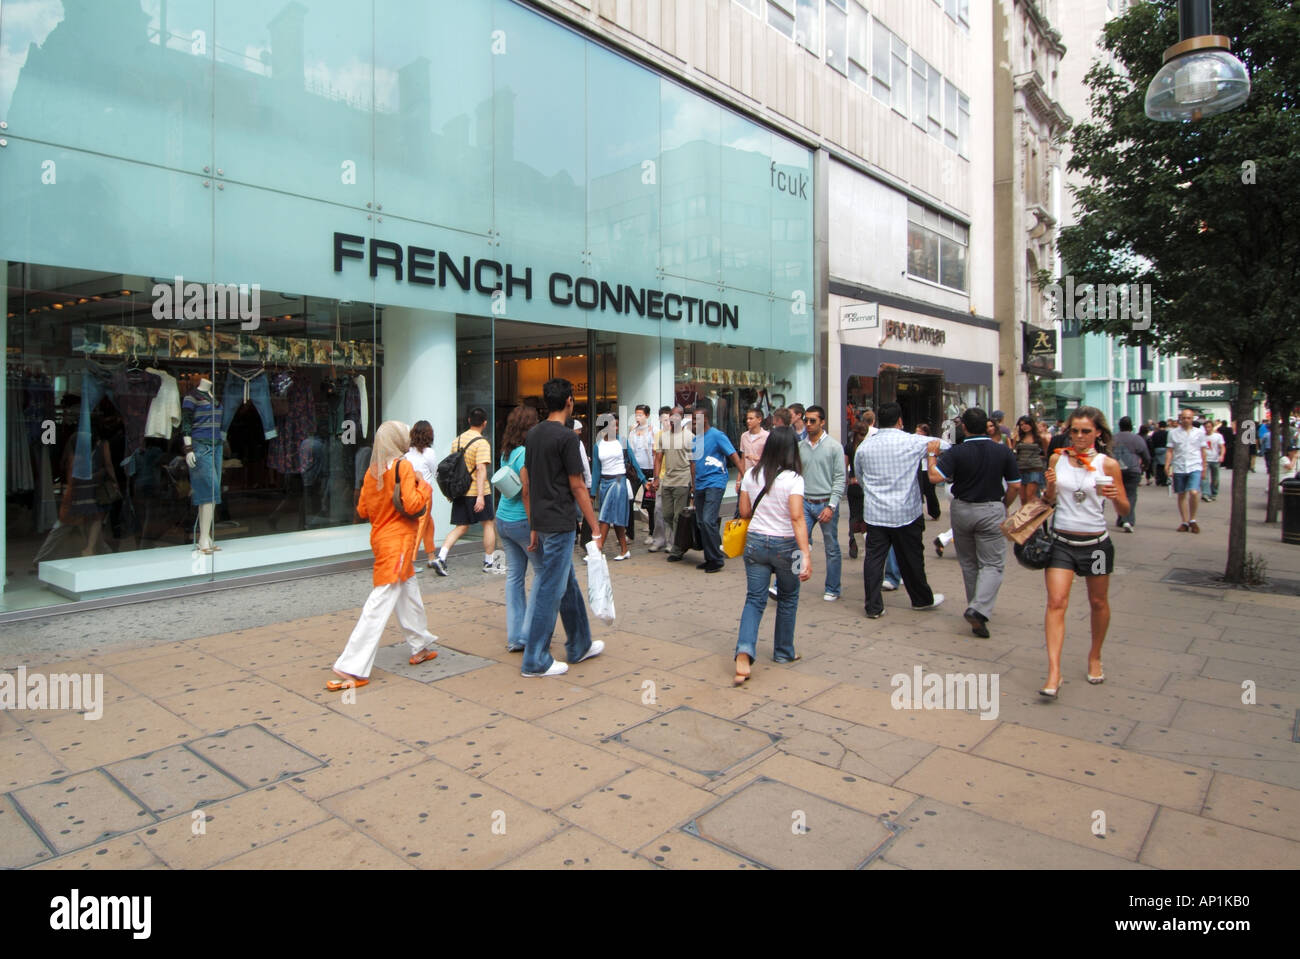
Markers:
<point>621,532</point>
<point>1059,582</point>
<point>1028,491</point>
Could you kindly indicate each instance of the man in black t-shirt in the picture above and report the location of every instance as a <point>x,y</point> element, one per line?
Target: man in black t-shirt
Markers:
<point>552,480</point>
<point>976,470</point>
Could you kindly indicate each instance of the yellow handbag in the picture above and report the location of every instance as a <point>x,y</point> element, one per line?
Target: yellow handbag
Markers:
<point>736,530</point>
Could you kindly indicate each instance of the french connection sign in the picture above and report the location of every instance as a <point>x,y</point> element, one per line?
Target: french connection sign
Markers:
<point>421,266</point>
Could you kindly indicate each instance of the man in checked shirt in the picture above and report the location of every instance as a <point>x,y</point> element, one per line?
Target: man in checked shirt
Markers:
<point>885,466</point>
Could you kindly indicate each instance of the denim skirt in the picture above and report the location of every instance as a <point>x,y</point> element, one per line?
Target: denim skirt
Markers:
<point>613,501</point>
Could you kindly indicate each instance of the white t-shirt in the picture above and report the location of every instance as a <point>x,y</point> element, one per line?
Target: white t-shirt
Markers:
<point>1214,448</point>
<point>610,454</point>
<point>426,463</point>
<point>1187,445</point>
<point>772,518</point>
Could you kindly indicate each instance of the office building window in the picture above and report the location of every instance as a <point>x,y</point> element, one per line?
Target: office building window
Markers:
<point>859,46</point>
<point>808,25</point>
<point>880,37</point>
<point>963,125</point>
<point>950,115</point>
<point>920,79</point>
<point>780,14</point>
<point>936,247</point>
<point>837,35</point>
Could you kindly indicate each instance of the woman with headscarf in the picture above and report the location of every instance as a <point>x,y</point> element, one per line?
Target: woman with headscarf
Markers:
<point>393,539</point>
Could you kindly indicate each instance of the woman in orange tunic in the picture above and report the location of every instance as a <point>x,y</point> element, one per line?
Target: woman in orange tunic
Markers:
<point>393,539</point>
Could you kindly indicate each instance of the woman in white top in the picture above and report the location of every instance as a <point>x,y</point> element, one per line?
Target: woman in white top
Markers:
<point>1079,480</point>
<point>776,527</point>
<point>422,457</point>
<point>612,494</point>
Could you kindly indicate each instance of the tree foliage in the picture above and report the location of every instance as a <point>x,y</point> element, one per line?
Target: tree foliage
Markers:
<point>1206,212</point>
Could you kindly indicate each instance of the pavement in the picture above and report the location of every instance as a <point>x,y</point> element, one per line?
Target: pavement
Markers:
<point>218,746</point>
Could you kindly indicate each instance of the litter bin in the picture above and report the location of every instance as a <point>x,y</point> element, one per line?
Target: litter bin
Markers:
<point>1291,510</point>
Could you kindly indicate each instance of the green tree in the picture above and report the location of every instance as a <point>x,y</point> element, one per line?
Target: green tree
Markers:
<point>1207,213</point>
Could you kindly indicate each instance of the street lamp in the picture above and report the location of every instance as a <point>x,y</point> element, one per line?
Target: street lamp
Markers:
<point>1200,77</point>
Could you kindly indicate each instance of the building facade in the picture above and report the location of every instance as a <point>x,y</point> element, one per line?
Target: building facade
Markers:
<point>336,212</point>
<point>1028,121</point>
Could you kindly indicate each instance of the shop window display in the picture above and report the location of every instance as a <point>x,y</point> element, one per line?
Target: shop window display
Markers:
<point>130,431</point>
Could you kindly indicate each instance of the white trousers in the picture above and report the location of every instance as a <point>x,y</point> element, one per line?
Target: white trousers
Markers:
<point>358,656</point>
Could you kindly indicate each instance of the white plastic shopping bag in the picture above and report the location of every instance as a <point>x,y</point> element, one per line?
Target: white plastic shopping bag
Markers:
<point>600,592</point>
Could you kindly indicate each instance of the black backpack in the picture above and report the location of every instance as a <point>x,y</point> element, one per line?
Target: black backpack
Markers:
<point>453,478</point>
<point>397,494</point>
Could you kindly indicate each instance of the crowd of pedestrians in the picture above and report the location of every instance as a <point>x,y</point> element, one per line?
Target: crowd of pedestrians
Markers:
<point>791,477</point>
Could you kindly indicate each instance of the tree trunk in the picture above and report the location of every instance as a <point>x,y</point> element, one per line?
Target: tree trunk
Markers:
<point>1280,406</point>
<point>1234,572</point>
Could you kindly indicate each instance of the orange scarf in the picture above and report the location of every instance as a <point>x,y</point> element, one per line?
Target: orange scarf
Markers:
<point>1083,459</point>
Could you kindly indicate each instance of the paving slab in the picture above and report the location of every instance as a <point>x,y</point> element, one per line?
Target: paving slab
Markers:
<point>330,845</point>
<point>437,817</point>
<point>1105,767</point>
<point>81,809</point>
<point>575,849</point>
<point>124,852</point>
<point>174,780</point>
<point>411,712</point>
<point>1182,841</point>
<point>782,827</point>
<point>1254,805</point>
<point>958,730</point>
<point>501,687</point>
<point>680,850</point>
<point>1270,764</point>
<point>227,829</point>
<point>633,809</point>
<point>940,836</point>
<point>595,719</point>
<point>1220,692</point>
<point>253,756</point>
<point>20,844</point>
<point>394,658</point>
<point>531,763</point>
<point>707,744</point>
<point>1235,671</point>
<point>241,703</point>
<point>1045,804</point>
<point>185,671</point>
<point>26,761</point>
<point>134,727</point>
<point>1260,726</point>
<point>353,754</point>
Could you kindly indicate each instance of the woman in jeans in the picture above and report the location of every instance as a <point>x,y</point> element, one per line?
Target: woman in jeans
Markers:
<point>1030,450</point>
<point>512,524</point>
<point>777,526</point>
<point>1080,478</point>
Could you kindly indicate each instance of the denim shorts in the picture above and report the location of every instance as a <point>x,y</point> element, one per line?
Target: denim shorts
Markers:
<point>1033,476</point>
<point>1187,482</point>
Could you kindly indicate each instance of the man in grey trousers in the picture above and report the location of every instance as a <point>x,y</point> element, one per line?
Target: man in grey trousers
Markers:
<point>976,468</point>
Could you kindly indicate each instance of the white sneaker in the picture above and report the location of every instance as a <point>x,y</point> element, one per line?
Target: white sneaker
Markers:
<point>557,669</point>
<point>938,601</point>
<point>1128,527</point>
<point>648,541</point>
<point>771,591</point>
<point>888,587</point>
<point>830,597</point>
<point>597,647</point>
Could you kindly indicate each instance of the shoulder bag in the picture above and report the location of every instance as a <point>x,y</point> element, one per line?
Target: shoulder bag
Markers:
<point>736,531</point>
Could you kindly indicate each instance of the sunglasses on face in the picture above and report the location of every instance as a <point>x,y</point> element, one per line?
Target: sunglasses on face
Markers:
<point>1074,432</point>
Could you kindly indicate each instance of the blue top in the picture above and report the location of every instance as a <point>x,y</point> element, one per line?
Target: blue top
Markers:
<point>712,450</point>
<point>511,509</point>
<point>201,415</point>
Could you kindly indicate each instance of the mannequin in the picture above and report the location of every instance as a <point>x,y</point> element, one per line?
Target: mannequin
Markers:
<point>201,430</point>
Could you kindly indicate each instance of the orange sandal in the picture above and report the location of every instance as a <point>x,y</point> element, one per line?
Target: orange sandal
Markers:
<point>335,685</point>
<point>423,656</point>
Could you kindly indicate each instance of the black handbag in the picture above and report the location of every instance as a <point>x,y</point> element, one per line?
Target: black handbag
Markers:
<point>1036,552</point>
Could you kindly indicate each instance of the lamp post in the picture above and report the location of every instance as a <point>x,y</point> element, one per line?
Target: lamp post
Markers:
<point>1200,77</point>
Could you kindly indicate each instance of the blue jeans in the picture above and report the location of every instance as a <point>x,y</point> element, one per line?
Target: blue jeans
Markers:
<point>707,504</point>
<point>96,383</point>
<point>241,389</point>
<point>555,588</point>
<point>514,540</point>
<point>892,572</point>
<point>765,555</point>
<point>831,540</point>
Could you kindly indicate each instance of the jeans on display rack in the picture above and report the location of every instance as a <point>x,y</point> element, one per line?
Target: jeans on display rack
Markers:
<point>244,388</point>
<point>96,383</point>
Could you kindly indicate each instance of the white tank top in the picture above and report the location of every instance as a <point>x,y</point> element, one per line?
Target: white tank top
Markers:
<point>1084,514</point>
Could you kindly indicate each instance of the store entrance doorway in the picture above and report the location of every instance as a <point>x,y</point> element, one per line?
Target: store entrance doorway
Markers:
<point>529,354</point>
<point>918,392</point>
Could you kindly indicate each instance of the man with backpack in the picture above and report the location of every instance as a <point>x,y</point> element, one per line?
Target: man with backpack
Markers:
<point>463,478</point>
<point>1134,458</point>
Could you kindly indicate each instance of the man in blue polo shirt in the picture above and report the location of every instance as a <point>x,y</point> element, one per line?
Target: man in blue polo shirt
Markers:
<point>976,469</point>
<point>712,452</point>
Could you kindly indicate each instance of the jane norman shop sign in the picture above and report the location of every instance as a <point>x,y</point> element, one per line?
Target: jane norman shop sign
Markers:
<point>499,282</point>
<point>898,330</point>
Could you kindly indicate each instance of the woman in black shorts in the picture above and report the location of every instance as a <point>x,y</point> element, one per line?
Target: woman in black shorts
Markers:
<point>1080,477</point>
